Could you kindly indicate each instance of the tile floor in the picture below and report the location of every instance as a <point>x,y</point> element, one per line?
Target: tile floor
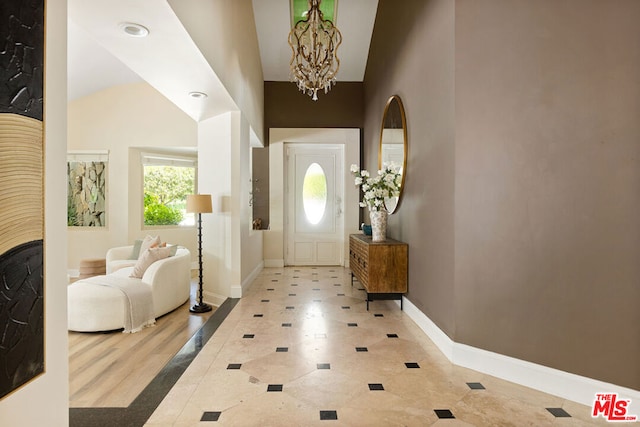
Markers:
<point>300,349</point>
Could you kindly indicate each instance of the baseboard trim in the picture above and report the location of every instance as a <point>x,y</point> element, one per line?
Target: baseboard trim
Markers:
<point>548,380</point>
<point>235,291</point>
<point>274,263</point>
<point>213,298</point>
<point>246,283</point>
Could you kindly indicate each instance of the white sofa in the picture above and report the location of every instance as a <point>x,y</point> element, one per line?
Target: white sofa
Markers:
<point>93,307</point>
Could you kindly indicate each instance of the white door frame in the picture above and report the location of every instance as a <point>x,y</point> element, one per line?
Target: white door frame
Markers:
<point>273,243</point>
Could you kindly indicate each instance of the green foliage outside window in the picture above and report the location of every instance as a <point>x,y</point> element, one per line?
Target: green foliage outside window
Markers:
<point>315,186</point>
<point>165,193</point>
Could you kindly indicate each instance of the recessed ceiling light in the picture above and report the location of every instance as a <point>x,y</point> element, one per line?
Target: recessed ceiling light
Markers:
<point>198,95</point>
<point>134,30</point>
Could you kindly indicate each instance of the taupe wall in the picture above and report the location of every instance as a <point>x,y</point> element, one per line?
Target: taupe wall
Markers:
<point>522,210</point>
<point>412,55</point>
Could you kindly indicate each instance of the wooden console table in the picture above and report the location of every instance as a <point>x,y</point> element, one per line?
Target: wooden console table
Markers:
<point>381,267</point>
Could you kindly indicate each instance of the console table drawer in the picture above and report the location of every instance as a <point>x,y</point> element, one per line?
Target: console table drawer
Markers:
<point>381,267</point>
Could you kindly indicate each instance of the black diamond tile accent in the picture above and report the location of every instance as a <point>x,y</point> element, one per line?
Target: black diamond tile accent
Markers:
<point>334,277</point>
<point>392,335</point>
<point>337,284</point>
<point>361,289</point>
<point>475,386</point>
<point>270,289</point>
<point>361,349</point>
<point>324,365</point>
<point>248,336</point>
<point>340,295</point>
<point>376,387</point>
<point>274,280</point>
<point>274,387</point>
<point>258,315</point>
<point>412,365</point>
<point>290,307</point>
<point>286,325</point>
<point>211,416</point>
<point>316,289</point>
<point>282,349</point>
<point>328,415</point>
<point>346,307</point>
<point>234,365</point>
<point>559,412</point>
<point>296,277</point>
<point>294,284</point>
<point>443,413</point>
<point>352,325</point>
<point>264,300</point>
<point>278,274</point>
<point>292,295</point>
<point>378,315</point>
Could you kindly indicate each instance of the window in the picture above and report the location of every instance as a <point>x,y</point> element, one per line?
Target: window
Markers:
<point>167,181</point>
<point>314,193</point>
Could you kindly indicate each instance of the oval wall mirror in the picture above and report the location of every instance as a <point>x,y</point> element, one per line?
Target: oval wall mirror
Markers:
<point>393,144</point>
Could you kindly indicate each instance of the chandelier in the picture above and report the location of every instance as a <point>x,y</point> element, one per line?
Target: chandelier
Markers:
<point>314,41</point>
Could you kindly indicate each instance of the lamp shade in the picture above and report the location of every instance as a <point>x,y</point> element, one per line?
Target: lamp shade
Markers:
<point>199,203</point>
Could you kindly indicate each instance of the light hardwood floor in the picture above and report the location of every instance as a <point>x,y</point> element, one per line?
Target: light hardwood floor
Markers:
<point>111,369</point>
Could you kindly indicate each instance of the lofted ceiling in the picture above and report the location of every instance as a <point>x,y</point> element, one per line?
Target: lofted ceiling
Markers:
<point>101,55</point>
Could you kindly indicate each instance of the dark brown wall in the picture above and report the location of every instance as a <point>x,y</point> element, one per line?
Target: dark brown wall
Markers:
<point>286,107</point>
<point>523,180</point>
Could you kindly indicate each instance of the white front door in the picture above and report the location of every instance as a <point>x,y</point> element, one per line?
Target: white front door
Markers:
<point>315,187</point>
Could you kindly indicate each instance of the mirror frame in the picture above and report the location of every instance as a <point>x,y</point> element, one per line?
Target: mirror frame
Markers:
<point>395,98</point>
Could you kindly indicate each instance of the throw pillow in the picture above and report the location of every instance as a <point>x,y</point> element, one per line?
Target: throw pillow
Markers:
<point>147,258</point>
<point>135,252</point>
<point>148,242</point>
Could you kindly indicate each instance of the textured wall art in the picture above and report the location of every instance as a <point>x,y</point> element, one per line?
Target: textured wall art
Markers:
<point>86,193</point>
<point>21,193</point>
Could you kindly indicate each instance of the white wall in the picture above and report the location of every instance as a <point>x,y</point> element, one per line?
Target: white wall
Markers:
<point>116,119</point>
<point>214,177</point>
<point>225,33</point>
<point>251,253</point>
<point>274,237</point>
<point>44,401</point>
<point>232,253</point>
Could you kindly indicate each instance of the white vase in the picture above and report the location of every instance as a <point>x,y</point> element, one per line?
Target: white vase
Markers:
<point>378,225</point>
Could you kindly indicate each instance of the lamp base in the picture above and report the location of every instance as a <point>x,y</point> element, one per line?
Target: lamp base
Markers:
<point>200,308</point>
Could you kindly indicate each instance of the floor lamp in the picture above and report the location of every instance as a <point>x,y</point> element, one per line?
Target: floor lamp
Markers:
<point>199,203</point>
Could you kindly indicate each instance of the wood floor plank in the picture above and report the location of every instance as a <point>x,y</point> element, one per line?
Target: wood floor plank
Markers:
<point>111,369</point>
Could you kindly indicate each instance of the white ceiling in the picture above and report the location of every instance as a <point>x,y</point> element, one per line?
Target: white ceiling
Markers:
<point>354,19</point>
<point>101,55</point>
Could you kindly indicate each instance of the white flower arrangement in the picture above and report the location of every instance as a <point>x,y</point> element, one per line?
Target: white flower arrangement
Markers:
<point>377,189</point>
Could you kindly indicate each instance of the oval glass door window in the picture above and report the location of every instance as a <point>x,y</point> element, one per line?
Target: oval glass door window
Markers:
<point>314,193</point>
